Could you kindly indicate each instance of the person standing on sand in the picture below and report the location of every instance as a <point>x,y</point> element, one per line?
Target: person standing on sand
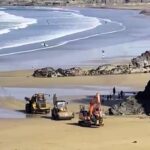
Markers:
<point>103,54</point>
<point>114,92</point>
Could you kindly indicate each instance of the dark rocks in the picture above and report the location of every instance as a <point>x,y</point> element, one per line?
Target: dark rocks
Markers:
<point>130,106</point>
<point>145,12</point>
<point>144,98</point>
<point>76,71</point>
<point>45,72</point>
<point>140,64</point>
<point>140,104</point>
<point>142,61</point>
<point>51,72</point>
<point>110,69</point>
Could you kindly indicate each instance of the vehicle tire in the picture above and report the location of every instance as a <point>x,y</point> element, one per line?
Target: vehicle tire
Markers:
<point>53,114</point>
<point>101,121</point>
<point>27,108</point>
<point>47,111</point>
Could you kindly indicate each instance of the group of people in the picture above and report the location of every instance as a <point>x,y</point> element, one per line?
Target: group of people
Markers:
<point>116,95</point>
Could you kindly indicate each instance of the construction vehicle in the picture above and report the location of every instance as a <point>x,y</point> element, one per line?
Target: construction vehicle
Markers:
<point>37,104</point>
<point>89,121</point>
<point>60,111</point>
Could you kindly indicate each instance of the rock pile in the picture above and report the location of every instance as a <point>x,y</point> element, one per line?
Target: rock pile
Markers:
<point>142,61</point>
<point>51,72</point>
<point>140,104</point>
<point>145,12</point>
<point>140,64</point>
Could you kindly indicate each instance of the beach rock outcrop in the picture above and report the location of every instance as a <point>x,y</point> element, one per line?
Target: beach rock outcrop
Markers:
<point>140,64</point>
<point>45,72</point>
<point>145,12</point>
<point>142,61</point>
<point>130,106</point>
<point>110,69</point>
<point>76,71</point>
<point>51,72</point>
<point>144,98</point>
<point>133,105</point>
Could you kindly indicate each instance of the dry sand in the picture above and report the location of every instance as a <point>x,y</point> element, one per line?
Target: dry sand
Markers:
<point>39,132</point>
<point>45,134</point>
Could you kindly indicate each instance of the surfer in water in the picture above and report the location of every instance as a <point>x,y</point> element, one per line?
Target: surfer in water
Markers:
<point>44,44</point>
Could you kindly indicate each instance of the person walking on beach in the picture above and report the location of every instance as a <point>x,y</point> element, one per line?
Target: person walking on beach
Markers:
<point>103,54</point>
<point>114,91</point>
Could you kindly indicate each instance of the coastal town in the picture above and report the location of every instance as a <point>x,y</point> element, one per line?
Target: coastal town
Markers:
<point>95,3</point>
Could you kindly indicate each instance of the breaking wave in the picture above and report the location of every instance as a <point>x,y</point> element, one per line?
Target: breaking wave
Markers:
<point>10,22</point>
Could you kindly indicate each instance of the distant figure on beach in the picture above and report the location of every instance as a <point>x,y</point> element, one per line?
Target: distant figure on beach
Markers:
<point>121,94</point>
<point>54,99</point>
<point>44,44</point>
<point>103,53</point>
<point>114,91</point>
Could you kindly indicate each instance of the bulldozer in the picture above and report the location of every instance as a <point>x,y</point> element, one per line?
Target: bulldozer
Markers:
<point>37,104</point>
<point>60,111</point>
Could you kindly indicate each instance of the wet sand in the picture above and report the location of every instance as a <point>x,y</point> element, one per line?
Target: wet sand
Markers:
<point>25,79</point>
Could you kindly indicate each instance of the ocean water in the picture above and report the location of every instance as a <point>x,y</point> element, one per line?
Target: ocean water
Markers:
<point>72,36</point>
<point>20,93</point>
<point>41,25</point>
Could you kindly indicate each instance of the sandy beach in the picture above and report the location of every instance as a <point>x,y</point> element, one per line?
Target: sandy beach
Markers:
<point>120,37</point>
<point>39,132</point>
<point>25,79</point>
<point>43,133</point>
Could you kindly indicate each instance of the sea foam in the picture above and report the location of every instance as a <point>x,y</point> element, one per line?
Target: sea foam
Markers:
<point>80,23</point>
<point>13,22</point>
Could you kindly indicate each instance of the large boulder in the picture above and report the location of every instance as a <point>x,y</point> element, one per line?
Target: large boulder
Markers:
<point>75,71</point>
<point>145,12</point>
<point>141,61</point>
<point>144,98</point>
<point>110,69</point>
<point>130,106</point>
<point>133,105</point>
<point>51,72</point>
<point>45,72</point>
